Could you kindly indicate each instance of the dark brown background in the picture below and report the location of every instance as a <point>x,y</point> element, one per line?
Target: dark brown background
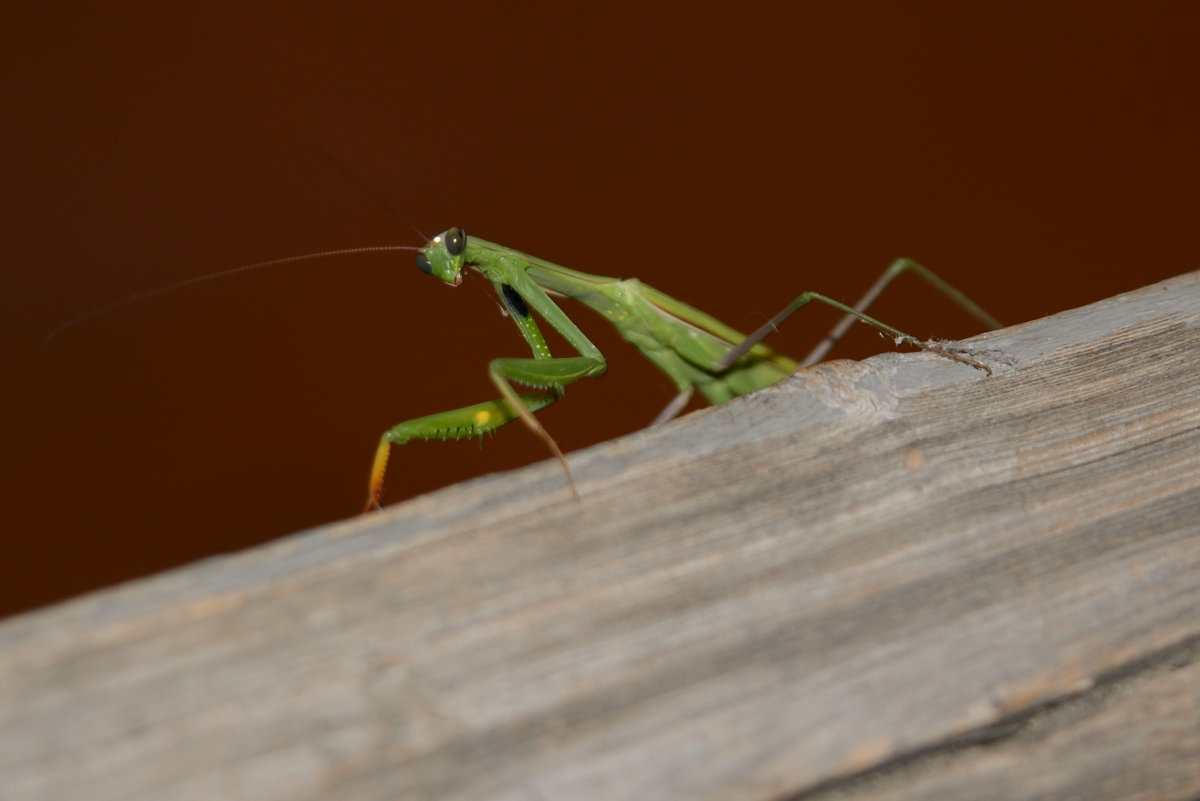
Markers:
<point>1040,155</point>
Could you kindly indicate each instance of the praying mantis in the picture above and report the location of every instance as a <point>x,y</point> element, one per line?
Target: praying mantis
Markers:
<point>693,349</point>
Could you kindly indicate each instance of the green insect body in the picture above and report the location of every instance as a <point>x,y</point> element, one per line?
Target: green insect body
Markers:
<point>695,350</point>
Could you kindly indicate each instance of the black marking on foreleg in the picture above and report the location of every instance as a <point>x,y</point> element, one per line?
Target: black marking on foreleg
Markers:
<point>515,303</point>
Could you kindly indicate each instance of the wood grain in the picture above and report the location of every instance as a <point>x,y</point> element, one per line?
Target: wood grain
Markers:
<point>891,579</point>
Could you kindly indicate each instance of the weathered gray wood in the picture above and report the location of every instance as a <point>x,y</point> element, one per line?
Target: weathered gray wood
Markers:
<point>891,579</point>
<point>1132,737</point>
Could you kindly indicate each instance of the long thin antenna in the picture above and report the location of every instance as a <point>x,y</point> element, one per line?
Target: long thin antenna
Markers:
<point>329,160</point>
<point>187,282</point>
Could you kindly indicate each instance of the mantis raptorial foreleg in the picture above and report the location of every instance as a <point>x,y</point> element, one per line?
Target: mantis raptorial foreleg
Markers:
<point>857,313</point>
<point>543,372</point>
<point>551,375</point>
<point>469,421</point>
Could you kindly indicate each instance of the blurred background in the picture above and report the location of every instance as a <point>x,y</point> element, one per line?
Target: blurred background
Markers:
<point>1040,156</point>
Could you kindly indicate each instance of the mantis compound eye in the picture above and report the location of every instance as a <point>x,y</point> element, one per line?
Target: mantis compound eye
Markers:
<point>456,241</point>
<point>423,263</point>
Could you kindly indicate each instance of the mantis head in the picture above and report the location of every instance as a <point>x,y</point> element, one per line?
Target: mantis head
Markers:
<point>443,256</point>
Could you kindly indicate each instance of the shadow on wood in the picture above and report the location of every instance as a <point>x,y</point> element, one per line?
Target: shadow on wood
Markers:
<point>891,579</point>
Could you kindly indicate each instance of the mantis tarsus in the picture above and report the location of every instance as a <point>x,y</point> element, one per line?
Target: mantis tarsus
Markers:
<point>695,350</point>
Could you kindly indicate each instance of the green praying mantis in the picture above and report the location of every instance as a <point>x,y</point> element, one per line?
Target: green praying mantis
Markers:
<point>693,349</point>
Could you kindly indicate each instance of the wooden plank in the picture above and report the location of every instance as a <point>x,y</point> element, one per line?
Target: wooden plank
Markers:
<point>1133,737</point>
<point>812,589</point>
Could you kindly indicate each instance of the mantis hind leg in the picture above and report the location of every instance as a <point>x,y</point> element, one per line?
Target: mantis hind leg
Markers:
<point>857,313</point>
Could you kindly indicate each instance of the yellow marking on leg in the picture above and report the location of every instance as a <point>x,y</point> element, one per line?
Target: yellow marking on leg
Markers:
<point>482,418</point>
